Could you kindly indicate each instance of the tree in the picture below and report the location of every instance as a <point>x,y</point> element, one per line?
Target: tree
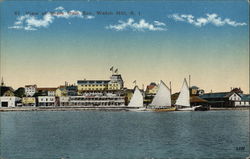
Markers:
<point>20,92</point>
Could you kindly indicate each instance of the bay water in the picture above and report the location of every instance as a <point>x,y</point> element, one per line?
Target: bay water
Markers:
<point>123,135</point>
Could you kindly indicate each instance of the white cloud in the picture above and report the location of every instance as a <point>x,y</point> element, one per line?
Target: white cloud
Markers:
<point>157,23</point>
<point>59,8</point>
<point>31,23</point>
<point>142,25</point>
<point>202,21</point>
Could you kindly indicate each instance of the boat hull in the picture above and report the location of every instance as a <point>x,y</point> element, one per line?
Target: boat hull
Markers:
<point>162,109</point>
<point>137,110</point>
<point>188,108</point>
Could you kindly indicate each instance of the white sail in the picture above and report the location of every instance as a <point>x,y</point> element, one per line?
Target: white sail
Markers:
<point>184,97</point>
<point>162,97</point>
<point>137,99</point>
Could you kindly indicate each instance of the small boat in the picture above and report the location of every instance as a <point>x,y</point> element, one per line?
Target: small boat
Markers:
<point>183,101</point>
<point>136,102</point>
<point>162,100</point>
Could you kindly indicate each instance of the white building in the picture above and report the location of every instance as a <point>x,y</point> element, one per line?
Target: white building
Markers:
<point>245,101</point>
<point>116,82</point>
<point>46,101</point>
<point>30,90</point>
<point>64,101</point>
<point>9,101</point>
<point>47,91</point>
<point>226,99</point>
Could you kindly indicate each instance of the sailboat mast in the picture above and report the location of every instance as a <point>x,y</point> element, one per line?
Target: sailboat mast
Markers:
<point>170,86</point>
<point>170,89</point>
<point>189,81</point>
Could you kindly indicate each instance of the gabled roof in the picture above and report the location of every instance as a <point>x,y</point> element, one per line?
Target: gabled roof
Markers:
<point>151,86</point>
<point>245,97</point>
<point>46,89</point>
<point>4,89</point>
<point>197,99</point>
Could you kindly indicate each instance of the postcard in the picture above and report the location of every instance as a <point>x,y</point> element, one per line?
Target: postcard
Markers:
<point>146,79</point>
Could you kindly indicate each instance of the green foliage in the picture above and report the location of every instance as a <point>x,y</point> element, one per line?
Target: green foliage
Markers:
<point>20,92</point>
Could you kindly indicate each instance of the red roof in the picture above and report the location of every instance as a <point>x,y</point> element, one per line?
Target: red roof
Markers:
<point>46,89</point>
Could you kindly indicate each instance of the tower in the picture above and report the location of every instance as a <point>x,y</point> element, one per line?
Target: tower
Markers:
<point>2,82</point>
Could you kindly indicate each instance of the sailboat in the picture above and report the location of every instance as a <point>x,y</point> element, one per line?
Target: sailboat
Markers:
<point>162,100</point>
<point>136,102</point>
<point>183,101</point>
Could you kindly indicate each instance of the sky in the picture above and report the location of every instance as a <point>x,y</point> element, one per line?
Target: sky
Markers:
<point>47,43</point>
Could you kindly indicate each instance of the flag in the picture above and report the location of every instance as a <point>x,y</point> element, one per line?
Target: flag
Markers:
<point>116,70</point>
<point>111,69</point>
<point>134,82</point>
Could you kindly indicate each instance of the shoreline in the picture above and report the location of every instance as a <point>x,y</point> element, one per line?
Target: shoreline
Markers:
<point>95,108</point>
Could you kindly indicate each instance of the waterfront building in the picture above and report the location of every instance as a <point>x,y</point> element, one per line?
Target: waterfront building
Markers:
<point>61,91</point>
<point>150,92</point>
<point>92,85</point>
<point>64,100</point>
<point>222,99</point>
<point>9,101</point>
<point>151,89</point>
<point>46,101</point>
<point>245,100</point>
<point>196,91</point>
<point>30,90</point>
<point>196,100</point>
<point>93,100</point>
<point>71,90</point>
<point>115,83</point>
<point>47,91</point>
<point>6,91</point>
<point>29,101</point>
<point>237,90</point>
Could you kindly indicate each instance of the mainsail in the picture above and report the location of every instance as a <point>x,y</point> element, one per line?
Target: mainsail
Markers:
<point>184,97</point>
<point>162,97</point>
<point>137,99</point>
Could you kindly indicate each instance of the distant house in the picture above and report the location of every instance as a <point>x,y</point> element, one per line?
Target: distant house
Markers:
<point>151,89</point>
<point>196,91</point>
<point>47,91</point>
<point>245,100</point>
<point>61,91</point>
<point>29,101</point>
<point>7,98</point>
<point>222,99</point>
<point>9,101</point>
<point>46,101</point>
<point>150,92</point>
<point>6,91</point>
<point>30,90</point>
<point>71,90</point>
